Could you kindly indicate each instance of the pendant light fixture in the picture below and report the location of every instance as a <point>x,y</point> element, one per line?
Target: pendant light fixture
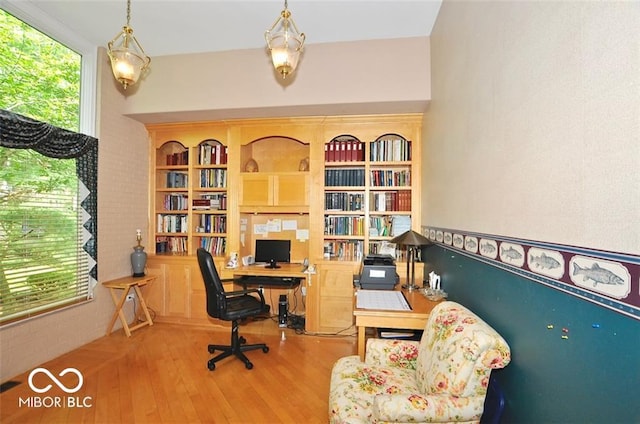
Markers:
<point>285,43</point>
<point>128,58</point>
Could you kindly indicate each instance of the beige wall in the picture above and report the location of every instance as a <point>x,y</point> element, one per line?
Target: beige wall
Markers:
<point>381,76</point>
<point>534,126</point>
<point>122,208</point>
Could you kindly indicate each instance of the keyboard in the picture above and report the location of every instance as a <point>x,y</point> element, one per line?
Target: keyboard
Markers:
<point>265,281</point>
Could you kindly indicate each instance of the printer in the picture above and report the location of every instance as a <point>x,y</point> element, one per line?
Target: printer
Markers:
<point>378,272</point>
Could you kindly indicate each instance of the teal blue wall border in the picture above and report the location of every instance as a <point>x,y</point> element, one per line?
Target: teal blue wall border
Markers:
<point>609,279</point>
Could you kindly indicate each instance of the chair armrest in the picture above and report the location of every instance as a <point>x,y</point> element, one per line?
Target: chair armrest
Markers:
<point>392,353</point>
<point>427,408</point>
<point>244,292</point>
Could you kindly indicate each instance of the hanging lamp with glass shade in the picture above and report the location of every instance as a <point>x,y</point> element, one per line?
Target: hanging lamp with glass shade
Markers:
<point>127,56</point>
<point>285,43</point>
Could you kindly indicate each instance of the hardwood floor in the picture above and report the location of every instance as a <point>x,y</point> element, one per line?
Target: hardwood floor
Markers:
<point>159,375</point>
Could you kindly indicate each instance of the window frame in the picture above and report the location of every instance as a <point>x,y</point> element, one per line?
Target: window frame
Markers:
<point>36,18</point>
<point>39,20</point>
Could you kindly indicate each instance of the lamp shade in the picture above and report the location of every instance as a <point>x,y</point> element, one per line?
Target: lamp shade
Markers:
<point>285,43</point>
<point>411,238</point>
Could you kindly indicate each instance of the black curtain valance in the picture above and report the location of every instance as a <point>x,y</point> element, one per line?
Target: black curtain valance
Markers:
<point>20,132</point>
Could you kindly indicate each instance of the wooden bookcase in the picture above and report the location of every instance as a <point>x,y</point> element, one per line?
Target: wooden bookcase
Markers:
<point>279,170</point>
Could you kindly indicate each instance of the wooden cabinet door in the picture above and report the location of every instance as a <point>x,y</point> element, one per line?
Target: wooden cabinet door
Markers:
<point>256,189</point>
<point>154,293</point>
<point>336,296</point>
<point>291,189</point>
<point>178,290</point>
<point>170,294</point>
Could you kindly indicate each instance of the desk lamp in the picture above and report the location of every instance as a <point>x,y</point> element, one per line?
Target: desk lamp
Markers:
<point>413,241</point>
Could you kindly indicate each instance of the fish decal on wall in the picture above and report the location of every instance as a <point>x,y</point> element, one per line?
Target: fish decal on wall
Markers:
<point>489,248</point>
<point>471,244</point>
<point>546,262</point>
<point>610,278</point>
<point>512,254</point>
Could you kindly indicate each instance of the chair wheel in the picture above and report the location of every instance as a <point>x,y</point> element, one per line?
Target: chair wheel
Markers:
<point>265,349</point>
<point>249,365</point>
<point>242,340</point>
<point>211,365</point>
<point>212,349</point>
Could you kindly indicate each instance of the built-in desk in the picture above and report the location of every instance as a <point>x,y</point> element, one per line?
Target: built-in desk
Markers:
<point>285,270</point>
<point>288,276</point>
<point>415,319</point>
<point>272,292</point>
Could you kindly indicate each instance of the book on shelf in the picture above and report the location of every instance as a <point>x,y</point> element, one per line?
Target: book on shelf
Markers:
<point>179,158</point>
<point>352,177</point>
<point>175,202</point>
<point>385,201</point>
<point>201,204</point>
<point>177,179</point>
<point>213,154</point>
<point>390,150</point>
<point>344,150</point>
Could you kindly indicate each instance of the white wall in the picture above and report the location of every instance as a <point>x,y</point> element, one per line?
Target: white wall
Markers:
<point>534,126</point>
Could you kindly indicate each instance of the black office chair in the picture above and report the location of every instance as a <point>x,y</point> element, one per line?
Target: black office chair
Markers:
<point>230,306</point>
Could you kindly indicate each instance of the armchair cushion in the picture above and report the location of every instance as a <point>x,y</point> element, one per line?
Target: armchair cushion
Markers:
<point>443,378</point>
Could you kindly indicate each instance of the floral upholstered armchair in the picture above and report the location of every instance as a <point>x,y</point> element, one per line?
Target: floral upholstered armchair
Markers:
<point>442,378</point>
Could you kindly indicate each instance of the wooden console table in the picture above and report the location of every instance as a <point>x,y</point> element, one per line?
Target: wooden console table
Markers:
<point>415,319</point>
<point>125,284</point>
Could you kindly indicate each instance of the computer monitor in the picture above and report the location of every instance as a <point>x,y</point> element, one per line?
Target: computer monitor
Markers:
<point>273,251</point>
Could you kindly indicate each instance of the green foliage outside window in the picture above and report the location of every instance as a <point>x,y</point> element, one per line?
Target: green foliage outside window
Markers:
<point>39,218</point>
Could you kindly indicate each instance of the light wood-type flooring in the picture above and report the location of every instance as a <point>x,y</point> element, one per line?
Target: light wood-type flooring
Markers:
<point>160,375</point>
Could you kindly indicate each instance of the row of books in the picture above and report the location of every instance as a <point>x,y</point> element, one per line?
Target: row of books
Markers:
<point>171,223</point>
<point>344,177</point>
<point>344,225</point>
<point>390,178</point>
<point>391,149</point>
<point>339,150</point>
<point>215,245</point>
<point>216,201</point>
<point>389,226</point>
<point>344,150</point>
<point>176,202</point>
<point>390,201</point>
<point>179,158</point>
<point>177,179</point>
<point>216,154</point>
<point>344,201</point>
<point>346,250</point>
<point>209,223</point>
<point>171,244</point>
<point>380,226</point>
<point>213,178</point>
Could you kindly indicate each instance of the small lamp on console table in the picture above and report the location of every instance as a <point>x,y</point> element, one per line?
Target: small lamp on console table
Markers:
<point>413,241</point>
<point>138,257</point>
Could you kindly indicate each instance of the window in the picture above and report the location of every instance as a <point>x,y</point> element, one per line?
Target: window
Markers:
<point>47,176</point>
